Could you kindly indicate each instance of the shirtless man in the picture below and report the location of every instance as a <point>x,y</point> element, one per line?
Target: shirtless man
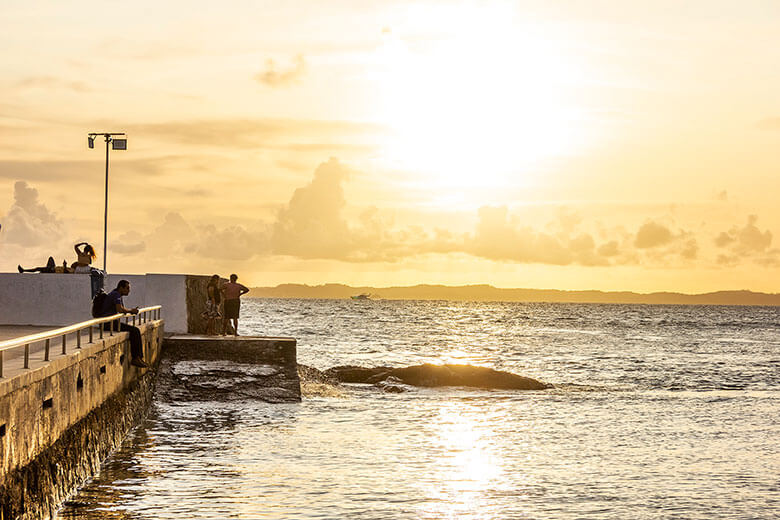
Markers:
<point>232,291</point>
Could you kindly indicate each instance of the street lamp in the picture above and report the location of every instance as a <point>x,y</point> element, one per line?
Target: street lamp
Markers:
<point>118,142</point>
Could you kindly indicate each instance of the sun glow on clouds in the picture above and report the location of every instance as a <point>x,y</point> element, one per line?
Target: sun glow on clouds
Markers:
<point>480,105</point>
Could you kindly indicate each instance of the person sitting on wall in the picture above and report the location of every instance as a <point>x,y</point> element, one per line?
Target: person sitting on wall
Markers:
<point>51,267</point>
<point>85,258</point>
<point>113,305</point>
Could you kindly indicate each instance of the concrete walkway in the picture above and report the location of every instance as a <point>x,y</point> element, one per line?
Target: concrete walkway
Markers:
<point>13,359</point>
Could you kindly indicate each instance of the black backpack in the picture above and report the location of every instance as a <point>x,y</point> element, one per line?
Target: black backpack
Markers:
<point>97,304</point>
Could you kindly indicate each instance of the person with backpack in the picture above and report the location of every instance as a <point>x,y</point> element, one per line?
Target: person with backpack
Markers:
<point>111,304</point>
<point>211,314</point>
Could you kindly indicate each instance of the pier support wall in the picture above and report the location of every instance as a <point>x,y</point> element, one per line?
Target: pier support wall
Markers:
<point>58,422</point>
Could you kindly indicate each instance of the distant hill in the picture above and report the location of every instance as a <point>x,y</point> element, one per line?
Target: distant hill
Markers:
<point>490,293</point>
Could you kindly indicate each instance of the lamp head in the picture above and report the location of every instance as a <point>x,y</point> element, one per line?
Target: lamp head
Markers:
<point>91,141</point>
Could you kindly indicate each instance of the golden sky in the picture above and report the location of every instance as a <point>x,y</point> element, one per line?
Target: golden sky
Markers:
<point>576,145</point>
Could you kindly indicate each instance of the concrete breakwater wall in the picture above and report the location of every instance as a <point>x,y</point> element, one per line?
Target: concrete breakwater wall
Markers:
<point>40,299</point>
<point>59,421</point>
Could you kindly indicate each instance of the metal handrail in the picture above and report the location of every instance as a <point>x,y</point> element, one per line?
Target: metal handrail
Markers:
<point>144,315</point>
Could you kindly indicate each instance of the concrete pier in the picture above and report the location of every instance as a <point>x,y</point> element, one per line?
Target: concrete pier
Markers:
<point>59,419</point>
<point>219,368</point>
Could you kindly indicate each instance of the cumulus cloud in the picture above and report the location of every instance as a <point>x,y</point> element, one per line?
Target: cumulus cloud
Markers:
<point>129,243</point>
<point>29,222</point>
<point>656,242</point>
<point>609,249</point>
<point>312,224</point>
<point>746,239</point>
<point>652,234</point>
<point>498,236</point>
<point>273,77</point>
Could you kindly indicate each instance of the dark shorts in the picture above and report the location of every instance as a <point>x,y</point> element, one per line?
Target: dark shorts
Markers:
<point>231,308</point>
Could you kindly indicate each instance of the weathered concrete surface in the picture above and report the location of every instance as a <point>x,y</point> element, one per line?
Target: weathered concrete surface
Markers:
<point>63,299</point>
<point>437,375</point>
<point>17,331</point>
<point>60,420</point>
<point>195,368</point>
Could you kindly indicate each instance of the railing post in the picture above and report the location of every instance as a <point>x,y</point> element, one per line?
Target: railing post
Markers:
<point>90,333</point>
<point>64,348</point>
<point>101,326</point>
<point>133,320</point>
<point>78,338</point>
<point>111,329</point>
<point>27,355</point>
<point>1,363</point>
<point>46,350</point>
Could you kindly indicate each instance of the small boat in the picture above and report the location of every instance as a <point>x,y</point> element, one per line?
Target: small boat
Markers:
<point>364,296</point>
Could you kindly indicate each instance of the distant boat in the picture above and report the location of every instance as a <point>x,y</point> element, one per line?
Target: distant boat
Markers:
<point>364,296</point>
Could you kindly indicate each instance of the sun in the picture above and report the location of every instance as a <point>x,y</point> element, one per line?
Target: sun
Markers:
<point>480,104</point>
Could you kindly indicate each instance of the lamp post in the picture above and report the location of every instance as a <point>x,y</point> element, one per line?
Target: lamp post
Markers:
<point>117,143</point>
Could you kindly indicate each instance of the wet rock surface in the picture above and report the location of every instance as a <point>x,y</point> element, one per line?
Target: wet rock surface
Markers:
<point>200,368</point>
<point>428,375</point>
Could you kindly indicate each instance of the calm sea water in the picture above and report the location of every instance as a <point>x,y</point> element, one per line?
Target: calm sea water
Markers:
<point>658,412</point>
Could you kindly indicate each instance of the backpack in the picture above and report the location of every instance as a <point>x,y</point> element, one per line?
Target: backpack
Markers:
<point>97,304</point>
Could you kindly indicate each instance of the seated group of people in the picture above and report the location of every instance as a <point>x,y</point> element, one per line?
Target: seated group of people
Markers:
<point>85,253</point>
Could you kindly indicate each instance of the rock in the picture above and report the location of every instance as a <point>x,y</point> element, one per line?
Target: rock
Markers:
<point>353,374</point>
<point>429,375</point>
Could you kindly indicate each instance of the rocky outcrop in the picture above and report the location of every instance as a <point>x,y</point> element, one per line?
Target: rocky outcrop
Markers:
<point>429,375</point>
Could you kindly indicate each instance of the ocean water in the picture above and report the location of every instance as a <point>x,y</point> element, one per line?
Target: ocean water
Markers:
<point>657,412</point>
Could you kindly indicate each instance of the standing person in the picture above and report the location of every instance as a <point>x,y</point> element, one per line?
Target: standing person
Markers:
<point>211,314</point>
<point>232,291</point>
<point>113,305</point>
<point>85,258</point>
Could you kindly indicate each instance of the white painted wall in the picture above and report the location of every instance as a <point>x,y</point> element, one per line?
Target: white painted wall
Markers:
<point>62,299</point>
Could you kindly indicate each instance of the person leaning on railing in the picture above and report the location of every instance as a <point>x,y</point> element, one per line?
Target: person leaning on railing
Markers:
<point>113,305</point>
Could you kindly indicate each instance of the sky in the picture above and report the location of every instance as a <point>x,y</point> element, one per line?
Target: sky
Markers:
<point>571,145</point>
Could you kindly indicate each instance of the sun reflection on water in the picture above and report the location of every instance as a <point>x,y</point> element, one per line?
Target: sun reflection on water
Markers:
<point>468,469</point>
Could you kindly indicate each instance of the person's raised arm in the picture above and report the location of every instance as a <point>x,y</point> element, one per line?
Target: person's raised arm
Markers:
<point>76,248</point>
<point>244,290</point>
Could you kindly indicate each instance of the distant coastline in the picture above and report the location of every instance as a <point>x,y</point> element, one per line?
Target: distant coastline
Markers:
<point>490,293</point>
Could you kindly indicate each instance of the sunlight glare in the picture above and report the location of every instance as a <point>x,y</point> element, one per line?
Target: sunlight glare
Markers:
<point>479,106</point>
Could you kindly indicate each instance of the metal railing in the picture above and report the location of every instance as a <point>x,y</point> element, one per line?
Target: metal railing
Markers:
<point>144,315</point>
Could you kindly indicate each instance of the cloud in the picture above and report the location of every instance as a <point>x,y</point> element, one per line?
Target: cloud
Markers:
<point>609,249</point>
<point>175,237</point>
<point>744,241</point>
<point>29,222</point>
<point>277,134</point>
<point>500,237</point>
<point>312,225</point>
<point>129,243</point>
<point>232,242</point>
<point>282,78</point>
<point>81,171</point>
<point>50,82</point>
<point>652,234</point>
